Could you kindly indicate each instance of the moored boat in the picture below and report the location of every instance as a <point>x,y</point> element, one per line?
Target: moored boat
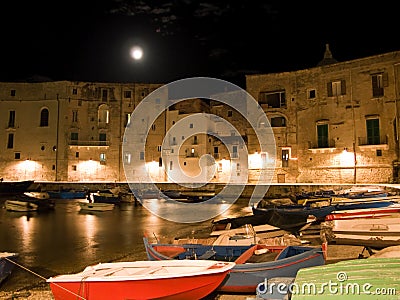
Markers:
<point>253,265</point>
<point>251,268</point>
<point>6,264</point>
<point>20,206</point>
<point>375,233</point>
<point>105,196</point>
<point>68,194</point>
<point>372,278</point>
<point>193,250</point>
<point>14,187</point>
<point>40,200</point>
<point>90,206</point>
<point>166,279</point>
<point>374,212</point>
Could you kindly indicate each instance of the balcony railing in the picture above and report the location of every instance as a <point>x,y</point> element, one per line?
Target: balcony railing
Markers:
<point>377,140</point>
<point>329,144</point>
<point>88,143</point>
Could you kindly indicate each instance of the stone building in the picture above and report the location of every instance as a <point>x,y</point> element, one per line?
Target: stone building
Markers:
<point>66,131</point>
<point>335,122</point>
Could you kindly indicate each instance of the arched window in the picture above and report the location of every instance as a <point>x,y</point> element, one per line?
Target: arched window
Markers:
<point>103,114</point>
<point>44,117</point>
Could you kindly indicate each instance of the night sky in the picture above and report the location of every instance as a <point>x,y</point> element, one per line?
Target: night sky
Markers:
<point>90,40</point>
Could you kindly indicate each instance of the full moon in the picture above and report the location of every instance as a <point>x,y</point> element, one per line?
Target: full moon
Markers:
<point>136,53</point>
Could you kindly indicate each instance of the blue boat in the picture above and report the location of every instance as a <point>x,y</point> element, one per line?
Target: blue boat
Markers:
<point>254,265</point>
<point>68,194</point>
<point>160,251</point>
<point>6,264</point>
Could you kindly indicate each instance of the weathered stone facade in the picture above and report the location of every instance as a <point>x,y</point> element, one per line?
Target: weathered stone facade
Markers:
<point>336,122</point>
<point>340,120</point>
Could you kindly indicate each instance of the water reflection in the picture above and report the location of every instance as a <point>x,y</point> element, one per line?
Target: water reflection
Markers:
<point>66,240</point>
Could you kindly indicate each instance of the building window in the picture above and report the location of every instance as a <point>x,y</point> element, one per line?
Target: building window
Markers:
<point>10,141</point>
<point>159,148</point>
<point>336,88</point>
<point>195,142</point>
<point>170,165</point>
<point>191,125</point>
<point>127,94</point>
<point>312,94</point>
<point>285,158</point>
<point>276,99</point>
<point>74,91</point>
<point>322,135</point>
<point>103,114</point>
<point>11,119</point>
<point>160,162</point>
<point>104,95</point>
<point>127,158</point>
<point>103,138</point>
<point>378,152</point>
<point>153,127</point>
<point>229,113</point>
<point>127,119</point>
<point>73,167</point>
<point>74,137</point>
<point>17,155</point>
<point>373,135</point>
<point>44,117</point>
<point>278,122</point>
<point>141,155</point>
<point>102,158</point>
<point>235,152</point>
<point>13,93</point>
<point>74,116</point>
<point>378,82</point>
<point>77,154</point>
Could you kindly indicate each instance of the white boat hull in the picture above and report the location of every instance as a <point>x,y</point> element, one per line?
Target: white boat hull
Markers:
<point>96,206</point>
<point>370,232</point>
<point>20,206</point>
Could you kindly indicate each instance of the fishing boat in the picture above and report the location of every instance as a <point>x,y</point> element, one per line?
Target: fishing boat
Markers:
<point>20,206</point>
<point>258,262</point>
<point>376,233</point>
<point>14,187</point>
<point>166,279</point>
<point>105,196</point>
<point>292,225</point>
<point>251,268</point>
<point>39,201</point>
<point>364,212</point>
<point>6,264</point>
<point>372,278</point>
<point>199,249</point>
<point>68,194</point>
<point>93,206</point>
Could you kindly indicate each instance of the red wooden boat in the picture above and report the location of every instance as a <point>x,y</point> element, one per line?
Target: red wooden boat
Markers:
<point>165,279</point>
<point>376,212</point>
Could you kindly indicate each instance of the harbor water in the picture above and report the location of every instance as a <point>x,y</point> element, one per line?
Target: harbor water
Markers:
<point>66,240</point>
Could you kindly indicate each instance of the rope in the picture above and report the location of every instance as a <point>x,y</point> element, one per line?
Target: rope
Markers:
<point>44,278</point>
